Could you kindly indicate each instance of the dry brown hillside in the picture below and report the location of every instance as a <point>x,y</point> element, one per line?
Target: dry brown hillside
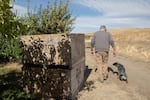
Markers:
<point>133,42</point>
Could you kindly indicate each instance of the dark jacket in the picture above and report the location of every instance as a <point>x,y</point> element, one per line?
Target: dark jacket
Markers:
<point>102,41</point>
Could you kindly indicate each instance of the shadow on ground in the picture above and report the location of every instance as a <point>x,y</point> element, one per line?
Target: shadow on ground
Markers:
<point>11,87</point>
<point>88,85</point>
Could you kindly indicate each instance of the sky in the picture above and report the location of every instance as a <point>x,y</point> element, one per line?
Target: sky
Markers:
<point>93,13</point>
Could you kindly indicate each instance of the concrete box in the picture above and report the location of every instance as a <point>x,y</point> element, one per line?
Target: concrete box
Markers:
<point>53,65</point>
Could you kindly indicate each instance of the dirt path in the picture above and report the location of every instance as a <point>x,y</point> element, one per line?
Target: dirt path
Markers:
<point>138,87</point>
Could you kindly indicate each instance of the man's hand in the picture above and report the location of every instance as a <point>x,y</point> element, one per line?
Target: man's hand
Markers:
<point>114,52</point>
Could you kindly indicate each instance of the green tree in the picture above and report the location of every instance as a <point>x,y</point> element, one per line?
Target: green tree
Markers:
<point>53,19</point>
<point>9,24</point>
<point>10,28</point>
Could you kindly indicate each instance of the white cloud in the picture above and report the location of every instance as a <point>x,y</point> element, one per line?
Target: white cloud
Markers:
<point>114,14</point>
<point>116,8</point>
<point>19,10</point>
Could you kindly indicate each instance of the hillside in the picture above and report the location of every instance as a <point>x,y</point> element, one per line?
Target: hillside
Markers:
<point>132,42</point>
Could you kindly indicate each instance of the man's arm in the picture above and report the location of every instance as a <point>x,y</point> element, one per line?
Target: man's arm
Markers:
<point>112,43</point>
<point>114,51</point>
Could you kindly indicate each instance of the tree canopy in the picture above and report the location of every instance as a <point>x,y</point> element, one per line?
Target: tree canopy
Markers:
<point>9,24</point>
<point>53,19</point>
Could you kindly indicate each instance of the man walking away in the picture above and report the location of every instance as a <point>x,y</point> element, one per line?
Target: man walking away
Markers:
<point>100,44</point>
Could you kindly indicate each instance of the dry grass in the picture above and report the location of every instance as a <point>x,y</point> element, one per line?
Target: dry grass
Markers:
<point>131,35</point>
<point>131,42</point>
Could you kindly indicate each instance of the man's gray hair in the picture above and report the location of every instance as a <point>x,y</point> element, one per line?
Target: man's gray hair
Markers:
<point>103,28</point>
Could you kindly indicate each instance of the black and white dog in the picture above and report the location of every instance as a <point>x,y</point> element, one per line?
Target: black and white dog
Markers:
<point>121,72</point>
